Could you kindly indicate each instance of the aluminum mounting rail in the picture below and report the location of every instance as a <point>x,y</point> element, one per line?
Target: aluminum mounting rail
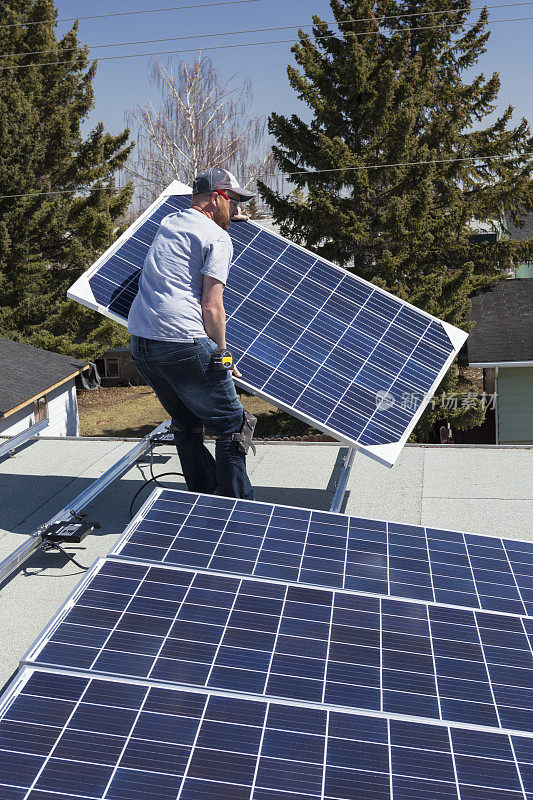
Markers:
<point>17,441</point>
<point>35,540</point>
<point>340,490</point>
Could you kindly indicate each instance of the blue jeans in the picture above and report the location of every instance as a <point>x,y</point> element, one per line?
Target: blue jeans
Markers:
<point>194,395</point>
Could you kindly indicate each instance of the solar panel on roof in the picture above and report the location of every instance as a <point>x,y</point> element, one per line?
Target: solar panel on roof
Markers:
<point>70,735</point>
<point>330,348</point>
<point>331,550</point>
<point>289,641</point>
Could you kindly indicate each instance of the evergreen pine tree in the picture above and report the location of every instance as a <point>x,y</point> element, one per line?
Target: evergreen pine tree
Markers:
<point>47,240</point>
<point>392,91</point>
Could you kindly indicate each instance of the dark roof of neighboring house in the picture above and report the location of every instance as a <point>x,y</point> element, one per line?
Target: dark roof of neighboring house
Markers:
<point>520,234</point>
<point>114,350</point>
<point>504,323</point>
<point>29,372</point>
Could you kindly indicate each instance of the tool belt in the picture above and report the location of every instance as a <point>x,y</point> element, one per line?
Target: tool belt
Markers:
<point>245,435</point>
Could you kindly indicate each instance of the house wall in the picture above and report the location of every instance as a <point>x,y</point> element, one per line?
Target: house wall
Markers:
<point>515,405</point>
<point>127,371</point>
<point>62,414</point>
<point>525,270</point>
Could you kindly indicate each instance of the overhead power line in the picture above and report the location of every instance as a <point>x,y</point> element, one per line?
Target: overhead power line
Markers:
<point>126,13</point>
<point>292,174</point>
<point>261,44</point>
<point>408,164</point>
<point>235,2</point>
<point>254,30</point>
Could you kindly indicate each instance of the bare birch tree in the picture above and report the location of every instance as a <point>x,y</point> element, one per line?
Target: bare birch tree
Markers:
<point>202,122</point>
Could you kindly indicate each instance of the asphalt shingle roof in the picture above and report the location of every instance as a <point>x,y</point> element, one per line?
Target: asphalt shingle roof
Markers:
<point>520,234</point>
<point>29,371</point>
<point>504,323</point>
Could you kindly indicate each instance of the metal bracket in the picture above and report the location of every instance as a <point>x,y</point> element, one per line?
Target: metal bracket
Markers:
<point>340,490</point>
<point>37,539</point>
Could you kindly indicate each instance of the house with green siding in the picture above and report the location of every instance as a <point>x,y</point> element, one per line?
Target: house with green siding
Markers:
<point>501,343</point>
<point>520,234</point>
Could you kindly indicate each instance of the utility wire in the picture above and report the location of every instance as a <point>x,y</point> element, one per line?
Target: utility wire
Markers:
<point>407,164</point>
<point>126,13</point>
<point>256,30</point>
<point>235,2</point>
<point>262,44</point>
<point>302,172</point>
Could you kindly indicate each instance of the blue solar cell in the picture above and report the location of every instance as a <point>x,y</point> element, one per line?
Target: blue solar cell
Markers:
<point>115,296</point>
<point>438,336</point>
<point>257,372</point>
<point>419,763</point>
<point>342,308</point>
<point>371,323</point>
<point>333,388</point>
<point>293,257</point>
<point>271,351</point>
<point>246,282</point>
<point>271,297</point>
<point>254,315</point>
<point>384,305</point>
<point>356,291</point>
<point>296,366</point>
<point>145,233</point>
<point>311,293</point>
<point>330,317</point>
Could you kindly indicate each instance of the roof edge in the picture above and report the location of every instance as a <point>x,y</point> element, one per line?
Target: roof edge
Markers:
<point>489,364</point>
<point>44,391</point>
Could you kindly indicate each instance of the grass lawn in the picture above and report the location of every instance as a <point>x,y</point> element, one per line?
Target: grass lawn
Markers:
<point>134,411</point>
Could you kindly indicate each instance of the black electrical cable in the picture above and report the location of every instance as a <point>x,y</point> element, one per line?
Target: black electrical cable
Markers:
<point>56,546</point>
<point>154,478</point>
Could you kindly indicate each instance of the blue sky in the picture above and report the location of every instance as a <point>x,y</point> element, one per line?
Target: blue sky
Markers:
<point>121,84</point>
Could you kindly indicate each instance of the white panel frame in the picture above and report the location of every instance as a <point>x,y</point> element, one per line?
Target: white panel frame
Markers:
<point>385,454</point>
<point>21,679</point>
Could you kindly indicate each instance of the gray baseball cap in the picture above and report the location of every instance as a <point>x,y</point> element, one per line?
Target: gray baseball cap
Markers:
<point>213,179</point>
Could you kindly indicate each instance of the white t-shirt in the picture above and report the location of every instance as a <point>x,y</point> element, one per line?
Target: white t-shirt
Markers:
<point>187,246</point>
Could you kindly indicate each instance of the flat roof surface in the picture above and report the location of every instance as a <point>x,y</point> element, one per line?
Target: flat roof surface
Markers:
<point>485,490</point>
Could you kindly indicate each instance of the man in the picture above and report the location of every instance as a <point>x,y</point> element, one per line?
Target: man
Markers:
<point>178,326</point>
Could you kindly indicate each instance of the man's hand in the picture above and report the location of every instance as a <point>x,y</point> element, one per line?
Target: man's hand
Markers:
<point>235,372</point>
<point>238,215</point>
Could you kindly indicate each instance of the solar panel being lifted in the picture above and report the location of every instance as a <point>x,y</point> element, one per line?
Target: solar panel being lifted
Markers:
<point>66,736</point>
<point>288,641</point>
<point>332,550</point>
<point>315,340</point>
